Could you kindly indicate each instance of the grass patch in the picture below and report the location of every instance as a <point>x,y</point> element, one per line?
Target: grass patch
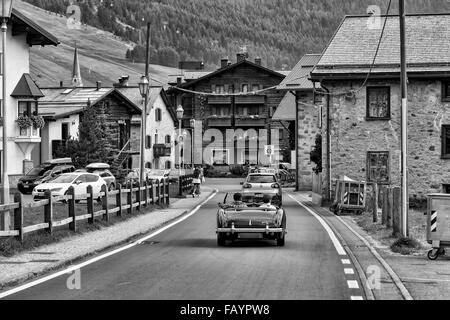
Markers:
<point>406,246</point>
<point>415,244</point>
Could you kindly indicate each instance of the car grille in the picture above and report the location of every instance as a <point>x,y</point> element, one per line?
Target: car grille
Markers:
<point>246,224</point>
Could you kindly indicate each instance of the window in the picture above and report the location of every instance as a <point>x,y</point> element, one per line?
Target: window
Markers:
<point>245,88</point>
<point>378,103</point>
<point>91,178</point>
<point>220,110</point>
<point>378,167</point>
<point>445,141</point>
<point>148,165</point>
<point>148,141</point>
<point>158,114</point>
<point>255,87</point>
<point>248,111</point>
<point>220,89</point>
<point>156,138</point>
<point>168,165</point>
<point>168,139</point>
<point>446,188</point>
<point>446,90</point>
<point>65,131</point>
<point>27,108</point>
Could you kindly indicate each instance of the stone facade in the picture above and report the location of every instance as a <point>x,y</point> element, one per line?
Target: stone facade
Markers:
<point>308,128</point>
<point>353,136</point>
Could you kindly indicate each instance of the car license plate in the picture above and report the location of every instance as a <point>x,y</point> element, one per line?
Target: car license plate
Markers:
<point>250,236</point>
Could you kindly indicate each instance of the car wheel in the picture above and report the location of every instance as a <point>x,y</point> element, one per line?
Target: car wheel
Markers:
<point>281,239</point>
<point>221,239</point>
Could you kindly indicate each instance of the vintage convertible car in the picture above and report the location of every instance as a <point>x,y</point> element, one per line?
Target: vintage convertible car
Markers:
<point>250,221</point>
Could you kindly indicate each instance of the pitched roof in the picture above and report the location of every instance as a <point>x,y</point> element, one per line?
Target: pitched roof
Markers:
<point>231,67</point>
<point>297,79</point>
<point>286,109</point>
<point>352,48</point>
<point>27,88</point>
<point>36,35</point>
<point>61,102</point>
<point>134,95</point>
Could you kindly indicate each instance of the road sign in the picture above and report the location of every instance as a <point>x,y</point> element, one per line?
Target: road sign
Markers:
<point>269,149</point>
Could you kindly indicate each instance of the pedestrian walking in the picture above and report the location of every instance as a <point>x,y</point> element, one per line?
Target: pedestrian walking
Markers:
<point>196,180</point>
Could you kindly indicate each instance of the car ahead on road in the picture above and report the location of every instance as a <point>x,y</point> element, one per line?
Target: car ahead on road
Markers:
<point>248,220</point>
<point>78,180</point>
<point>44,172</point>
<point>103,170</point>
<point>259,184</point>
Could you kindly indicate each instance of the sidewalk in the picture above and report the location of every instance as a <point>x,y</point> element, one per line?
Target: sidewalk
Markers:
<point>26,265</point>
<point>424,279</point>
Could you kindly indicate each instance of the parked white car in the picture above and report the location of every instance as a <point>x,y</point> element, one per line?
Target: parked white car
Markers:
<point>79,180</point>
<point>159,174</point>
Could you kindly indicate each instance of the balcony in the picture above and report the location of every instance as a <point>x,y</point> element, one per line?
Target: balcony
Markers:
<point>250,121</point>
<point>219,100</point>
<point>250,99</point>
<point>219,121</point>
<point>162,150</point>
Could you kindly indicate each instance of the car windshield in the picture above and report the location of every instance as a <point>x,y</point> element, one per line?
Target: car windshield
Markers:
<point>39,170</point>
<point>65,178</point>
<point>261,179</point>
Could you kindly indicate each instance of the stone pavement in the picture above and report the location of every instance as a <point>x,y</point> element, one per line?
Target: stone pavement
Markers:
<point>424,279</point>
<point>29,264</point>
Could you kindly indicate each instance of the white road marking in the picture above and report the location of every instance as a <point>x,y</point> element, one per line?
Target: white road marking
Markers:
<point>340,250</point>
<point>345,261</point>
<point>105,255</point>
<point>356,298</point>
<point>352,284</point>
<point>349,271</point>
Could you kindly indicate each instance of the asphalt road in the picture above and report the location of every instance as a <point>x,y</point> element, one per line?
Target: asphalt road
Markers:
<point>184,262</point>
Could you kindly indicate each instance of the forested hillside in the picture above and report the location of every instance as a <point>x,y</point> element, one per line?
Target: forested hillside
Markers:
<point>279,31</point>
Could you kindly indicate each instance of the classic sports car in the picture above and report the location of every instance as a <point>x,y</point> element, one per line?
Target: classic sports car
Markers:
<point>248,220</point>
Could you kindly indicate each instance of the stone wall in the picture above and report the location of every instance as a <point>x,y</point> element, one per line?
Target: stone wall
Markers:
<point>352,136</point>
<point>308,120</point>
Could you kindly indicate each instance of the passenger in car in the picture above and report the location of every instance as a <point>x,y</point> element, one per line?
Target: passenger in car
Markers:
<point>237,203</point>
<point>266,202</point>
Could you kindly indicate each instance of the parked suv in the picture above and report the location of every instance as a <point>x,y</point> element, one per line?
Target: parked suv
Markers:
<point>103,170</point>
<point>43,173</point>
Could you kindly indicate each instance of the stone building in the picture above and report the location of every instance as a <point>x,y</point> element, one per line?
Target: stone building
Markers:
<point>365,103</point>
<point>300,95</point>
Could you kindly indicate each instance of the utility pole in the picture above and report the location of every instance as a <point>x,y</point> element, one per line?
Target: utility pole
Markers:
<point>404,122</point>
<point>144,111</point>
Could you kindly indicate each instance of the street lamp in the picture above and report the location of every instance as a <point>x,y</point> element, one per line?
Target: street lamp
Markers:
<point>192,122</point>
<point>180,112</point>
<point>5,14</point>
<point>143,89</point>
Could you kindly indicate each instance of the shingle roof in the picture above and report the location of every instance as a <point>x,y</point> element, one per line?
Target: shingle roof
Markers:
<point>353,46</point>
<point>27,88</point>
<point>297,79</point>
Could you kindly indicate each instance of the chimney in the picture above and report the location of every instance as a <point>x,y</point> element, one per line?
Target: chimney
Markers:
<point>61,84</point>
<point>223,62</point>
<point>179,79</point>
<point>241,57</point>
<point>124,81</point>
<point>258,61</point>
<point>99,85</point>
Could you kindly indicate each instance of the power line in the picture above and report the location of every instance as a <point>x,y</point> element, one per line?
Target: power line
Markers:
<point>372,65</point>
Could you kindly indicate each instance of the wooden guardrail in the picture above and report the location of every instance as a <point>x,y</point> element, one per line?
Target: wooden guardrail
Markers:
<point>137,197</point>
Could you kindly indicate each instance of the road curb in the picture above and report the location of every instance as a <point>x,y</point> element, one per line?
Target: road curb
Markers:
<point>127,243</point>
<point>398,283</point>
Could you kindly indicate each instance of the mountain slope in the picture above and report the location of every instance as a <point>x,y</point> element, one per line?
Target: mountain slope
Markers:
<point>279,31</point>
<point>101,54</point>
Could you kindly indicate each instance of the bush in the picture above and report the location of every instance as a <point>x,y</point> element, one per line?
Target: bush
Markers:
<point>406,246</point>
<point>237,169</point>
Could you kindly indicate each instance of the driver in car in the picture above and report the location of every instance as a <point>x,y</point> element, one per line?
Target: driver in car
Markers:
<point>238,203</point>
<point>266,202</point>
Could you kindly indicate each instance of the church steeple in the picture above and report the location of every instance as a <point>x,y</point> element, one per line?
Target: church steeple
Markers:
<point>76,73</point>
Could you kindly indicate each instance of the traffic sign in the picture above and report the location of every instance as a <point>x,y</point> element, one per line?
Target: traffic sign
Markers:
<point>269,149</point>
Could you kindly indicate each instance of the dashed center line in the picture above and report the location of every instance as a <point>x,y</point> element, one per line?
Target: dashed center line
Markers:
<point>349,271</point>
<point>345,261</point>
<point>356,298</point>
<point>352,284</point>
